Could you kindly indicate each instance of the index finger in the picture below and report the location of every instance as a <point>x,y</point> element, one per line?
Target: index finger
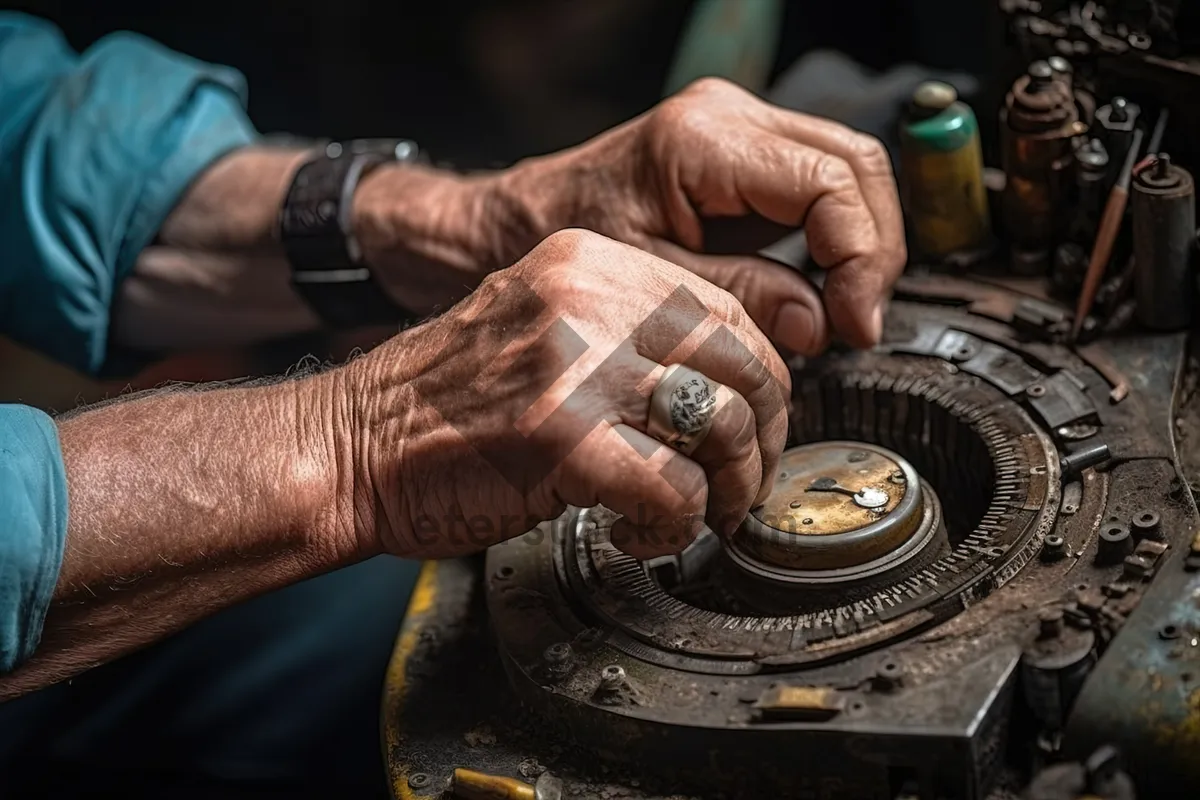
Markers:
<point>840,187</point>
<point>872,167</point>
<point>867,158</point>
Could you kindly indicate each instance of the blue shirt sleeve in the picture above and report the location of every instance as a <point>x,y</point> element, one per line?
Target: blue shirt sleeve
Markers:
<point>95,150</point>
<point>33,527</point>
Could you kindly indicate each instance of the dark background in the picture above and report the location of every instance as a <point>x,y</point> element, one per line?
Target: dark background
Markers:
<point>484,82</point>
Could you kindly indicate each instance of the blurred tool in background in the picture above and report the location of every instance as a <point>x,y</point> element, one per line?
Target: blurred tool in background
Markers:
<point>733,39</point>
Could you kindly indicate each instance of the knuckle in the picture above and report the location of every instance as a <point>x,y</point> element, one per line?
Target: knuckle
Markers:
<point>682,116</point>
<point>692,109</point>
<point>710,86</point>
<point>569,244</point>
<point>749,285</point>
<point>725,304</point>
<point>558,259</point>
<point>831,173</point>
<point>870,153</point>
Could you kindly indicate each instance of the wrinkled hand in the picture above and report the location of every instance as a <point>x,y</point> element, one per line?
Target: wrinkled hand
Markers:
<point>533,393</point>
<point>715,150</point>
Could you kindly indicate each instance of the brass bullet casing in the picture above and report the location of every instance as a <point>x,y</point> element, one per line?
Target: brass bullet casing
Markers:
<point>471,785</point>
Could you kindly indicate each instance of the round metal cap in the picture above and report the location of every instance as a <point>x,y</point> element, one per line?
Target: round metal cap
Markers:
<point>835,505</point>
<point>1040,72</point>
<point>934,96</point>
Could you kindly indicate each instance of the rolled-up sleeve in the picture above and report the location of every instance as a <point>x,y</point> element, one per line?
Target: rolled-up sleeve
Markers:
<point>95,150</point>
<point>33,527</point>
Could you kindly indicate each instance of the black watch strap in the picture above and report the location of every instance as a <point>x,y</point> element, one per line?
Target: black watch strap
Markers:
<point>328,270</point>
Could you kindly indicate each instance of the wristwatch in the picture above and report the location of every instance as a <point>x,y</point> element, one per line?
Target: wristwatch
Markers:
<point>328,269</point>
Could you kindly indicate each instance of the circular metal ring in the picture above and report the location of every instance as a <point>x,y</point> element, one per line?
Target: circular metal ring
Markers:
<point>769,547</point>
<point>930,523</point>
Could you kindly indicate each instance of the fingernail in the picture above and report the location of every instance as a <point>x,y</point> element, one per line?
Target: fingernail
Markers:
<point>876,330</point>
<point>795,328</point>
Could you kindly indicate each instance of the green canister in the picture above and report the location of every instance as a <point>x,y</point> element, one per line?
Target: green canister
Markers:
<point>941,173</point>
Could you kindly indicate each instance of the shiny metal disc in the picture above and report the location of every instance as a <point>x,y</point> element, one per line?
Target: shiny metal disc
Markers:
<point>837,506</point>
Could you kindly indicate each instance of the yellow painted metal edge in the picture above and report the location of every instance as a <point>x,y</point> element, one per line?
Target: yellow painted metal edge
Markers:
<point>420,605</point>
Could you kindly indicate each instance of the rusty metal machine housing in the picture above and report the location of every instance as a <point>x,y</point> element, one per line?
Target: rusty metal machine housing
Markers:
<point>952,673</point>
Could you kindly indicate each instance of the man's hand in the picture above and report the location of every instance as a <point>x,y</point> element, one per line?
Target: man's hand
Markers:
<point>715,150</point>
<point>534,394</point>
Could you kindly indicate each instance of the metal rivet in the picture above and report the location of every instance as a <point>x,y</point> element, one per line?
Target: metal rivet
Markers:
<point>419,780</point>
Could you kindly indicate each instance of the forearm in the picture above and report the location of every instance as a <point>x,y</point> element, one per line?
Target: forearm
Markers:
<point>183,503</point>
<point>217,274</point>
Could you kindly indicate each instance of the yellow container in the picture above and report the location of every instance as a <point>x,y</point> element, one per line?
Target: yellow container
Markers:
<point>941,174</point>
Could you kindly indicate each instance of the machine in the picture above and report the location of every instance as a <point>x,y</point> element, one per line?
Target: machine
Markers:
<point>978,575</point>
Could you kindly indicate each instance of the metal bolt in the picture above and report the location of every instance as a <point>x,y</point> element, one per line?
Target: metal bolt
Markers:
<point>1139,41</point>
<point>1120,109</point>
<point>419,780</point>
<point>1115,543</point>
<point>1053,548</point>
<point>888,675</point>
<point>1050,622</point>
<point>1146,524</point>
<point>1036,390</point>
<point>557,653</point>
<point>1162,166</point>
<point>612,676</point>
<point>897,477</point>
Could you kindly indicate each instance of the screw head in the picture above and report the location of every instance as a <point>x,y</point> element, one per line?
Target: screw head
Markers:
<point>419,780</point>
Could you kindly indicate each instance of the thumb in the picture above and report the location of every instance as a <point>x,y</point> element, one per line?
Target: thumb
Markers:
<point>784,304</point>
